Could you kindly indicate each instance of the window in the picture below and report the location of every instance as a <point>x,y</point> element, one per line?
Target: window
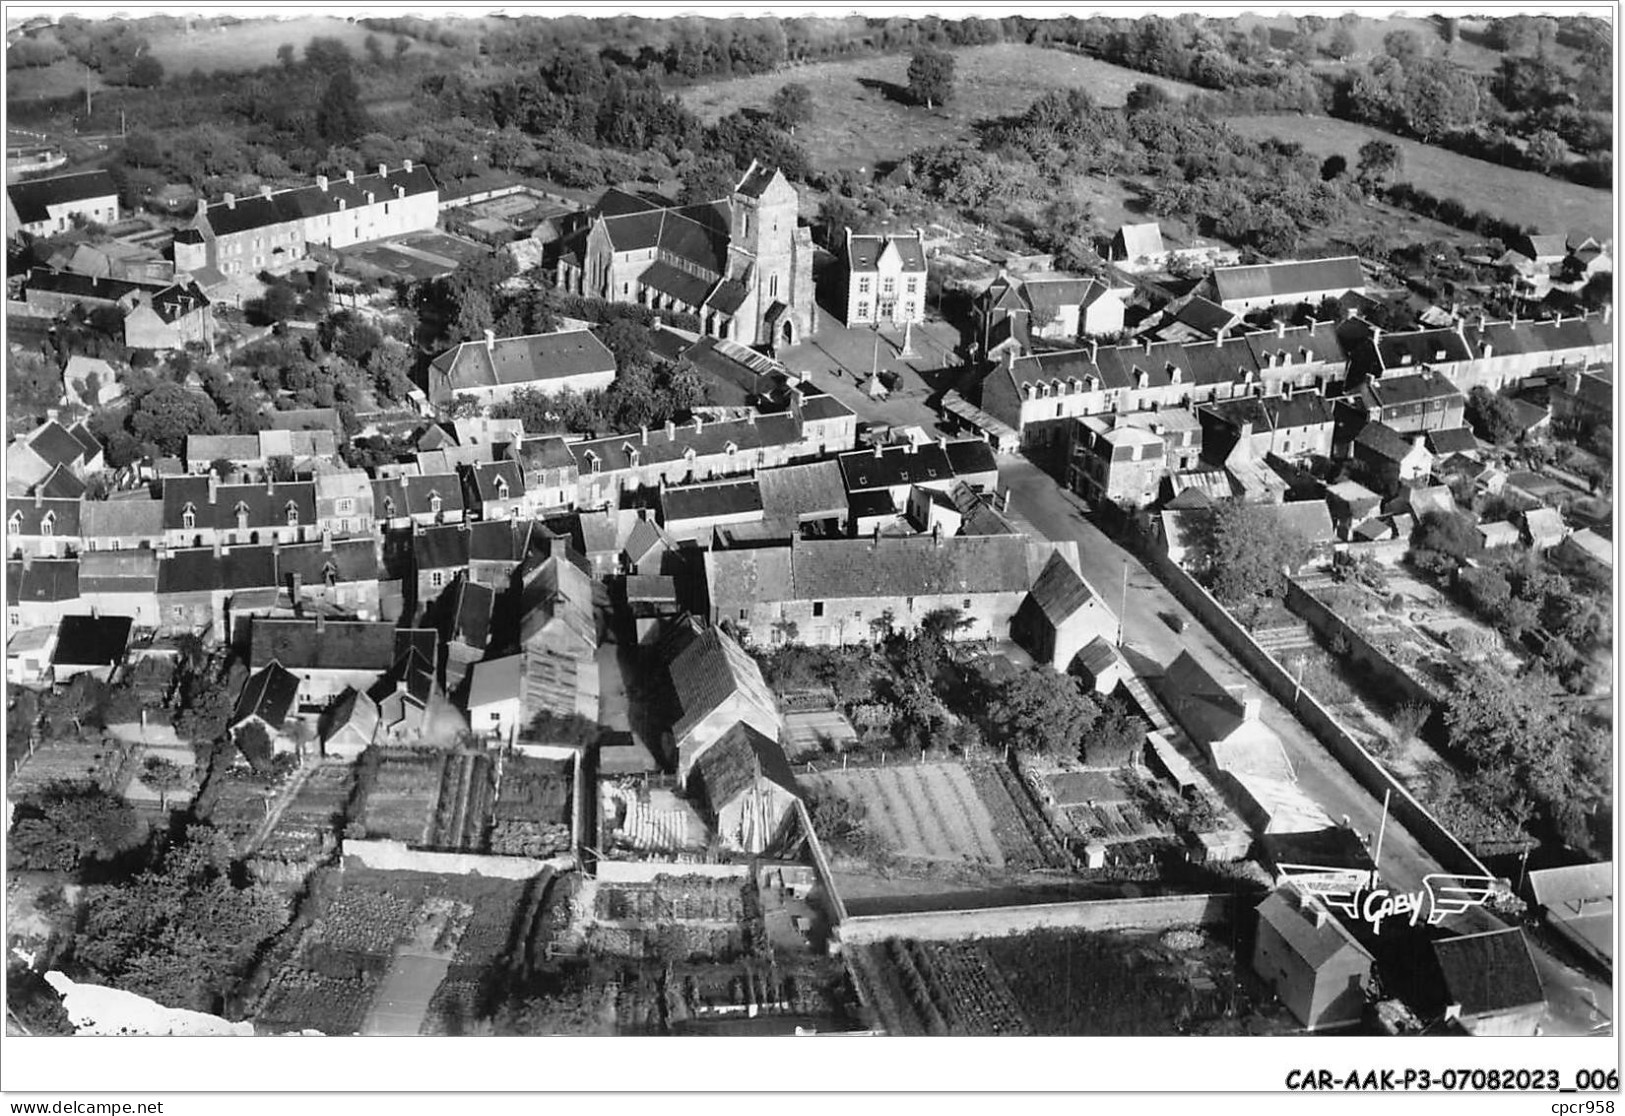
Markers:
<point>293,514</point>
<point>345,505</point>
<point>17,617</point>
<point>818,608</point>
<point>437,578</point>
<point>773,286</point>
<point>913,285</point>
<point>434,502</point>
<point>863,310</point>
<point>888,286</point>
<point>1059,408</point>
<point>744,614</point>
<point>966,604</point>
<point>496,718</point>
<point>188,519</point>
<point>389,507</point>
<point>863,285</point>
<point>16,523</point>
<point>47,525</point>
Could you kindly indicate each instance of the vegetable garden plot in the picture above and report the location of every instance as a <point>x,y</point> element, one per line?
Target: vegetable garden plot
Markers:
<point>463,812</point>
<point>400,796</point>
<point>926,811</point>
<point>531,816</point>
<point>672,898</point>
<point>315,817</point>
<point>1014,838</point>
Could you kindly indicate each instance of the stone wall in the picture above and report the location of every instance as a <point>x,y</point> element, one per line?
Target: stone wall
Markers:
<point>645,871</point>
<point>394,856</point>
<point>1155,913</point>
<point>1365,656</point>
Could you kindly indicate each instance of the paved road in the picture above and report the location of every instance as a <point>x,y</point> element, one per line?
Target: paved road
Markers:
<point>1057,514</point>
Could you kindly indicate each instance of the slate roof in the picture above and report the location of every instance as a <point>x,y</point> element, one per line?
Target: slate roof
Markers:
<point>60,484</point>
<point>495,480</point>
<point>26,515</point>
<point>1206,710</point>
<point>710,500</point>
<point>810,491</point>
<point>1053,294</point>
<point>1458,439</point>
<point>690,233</point>
<point>835,569</point>
<point>268,694</point>
<point>32,196</point>
<point>178,300</point>
<point>95,288</point>
<point>267,505</point>
<point>818,407</point>
<point>756,180</point>
<point>55,444</point>
<point>469,619</point>
<point>1311,518</point>
<point>729,767</point>
<point>1060,591</point>
<point>1383,440</point>
<point>669,279</point>
<point>118,571</point>
<point>1488,972</point>
<point>1336,847</point>
<point>1544,523</point>
<point>395,497</point>
<point>338,645</point>
<point>864,252</point>
<point>559,591</point>
<point>1314,941</point>
<point>643,538</point>
<point>533,359</point>
<point>1206,315</point>
<point>348,560</point>
<point>91,640</point>
<point>200,570</point>
<point>710,671</point>
<point>1393,391</point>
<point>1424,346</point>
<point>1220,362</point>
<point>1275,412</point>
<point>709,439</point>
<point>894,466</point>
<point>42,580</point>
<point>1289,346</point>
<point>257,211</point>
<point>1281,280</point>
<point>551,452</point>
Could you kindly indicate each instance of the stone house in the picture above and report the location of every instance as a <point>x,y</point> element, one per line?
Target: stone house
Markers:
<point>885,278</point>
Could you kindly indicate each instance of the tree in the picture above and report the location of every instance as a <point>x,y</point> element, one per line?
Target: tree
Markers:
<point>1493,416</point>
<point>1545,150</point>
<point>1342,44</point>
<point>286,56</point>
<point>145,72</point>
<point>1378,159</point>
<point>1449,533</point>
<point>1333,168</point>
<point>930,77</point>
<point>1147,95</point>
<point>167,414</point>
<point>68,826</point>
<point>1042,711</point>
<point>340,119</point>
<point>254,742</point>
<point>1403,45</point>
<point>164,776</point>
<point>791,106</point>
<point>183,934</point>
<point>1249,551</point>
<point>278,303</point>
<point>1116,738</point>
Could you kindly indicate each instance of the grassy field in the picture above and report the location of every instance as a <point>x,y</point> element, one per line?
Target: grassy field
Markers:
<point>249,45</point>
<point>1528,198</point>
<point>857,122</point>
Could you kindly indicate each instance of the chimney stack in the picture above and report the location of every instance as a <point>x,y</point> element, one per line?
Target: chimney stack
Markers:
<point>1004,503</point>
<point>231,201</point>
<point>1010,357</point>
<point>321,625</point>
<point>265,190</point>
<point>321,183</point>
<point>643,435</point>
<point>406,165</point>
<point>490,340</point>
<point>878,451</point>
<point>1280,328</point>
<point>942,443</point>
<point>296,588</point>
<point>1250,708</point>
<point>1094,350</point>
<point>383,170</point>
<point>349,177</point>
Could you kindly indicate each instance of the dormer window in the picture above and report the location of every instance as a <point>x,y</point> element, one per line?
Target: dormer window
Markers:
<point>731,449</point>
<point>1141,379</point>
<point>593,464</point>
<point>434,502</point>
<point>188,517</point>
<point>1174,373</point>
<point>242,515</point>
<point>15,523</point>
<point>389,507</point>
<point>330,574</point>
<point>1303,353</point>
<point>293,514</point>
<point>47,523</point>
<point>501,486</point>
<point>1406,359</point>
<point>689,455</point>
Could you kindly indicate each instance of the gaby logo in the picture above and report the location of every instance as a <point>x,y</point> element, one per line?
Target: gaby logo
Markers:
<point>1360,895</point>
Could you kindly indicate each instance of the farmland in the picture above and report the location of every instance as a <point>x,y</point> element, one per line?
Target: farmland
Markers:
<point>471,925</point>
<point>400,791</point>
<point>532,812</point>
<point>857,123</point>
<point>311,823</point>
<point>1050,982</point>
<point>927,812</point>
<point>1550,204</point>
<point>463,812</point>
<point>251,44</point>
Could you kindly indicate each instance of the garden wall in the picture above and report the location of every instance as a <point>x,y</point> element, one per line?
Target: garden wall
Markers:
<point>645,871</point>
<point>1154,913</point>
<point>1370,659</point>
<point>837,905</point>
<point>1438,841</point>
<point>394,856</point>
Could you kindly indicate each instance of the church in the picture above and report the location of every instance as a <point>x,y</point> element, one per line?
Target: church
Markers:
<point>741,265</point>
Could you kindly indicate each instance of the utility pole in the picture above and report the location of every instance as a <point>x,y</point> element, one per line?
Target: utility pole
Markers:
<point>1122,609</point>
<point>1376,855</point>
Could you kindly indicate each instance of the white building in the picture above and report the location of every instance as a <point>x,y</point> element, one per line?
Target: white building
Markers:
<point>885,278</point>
